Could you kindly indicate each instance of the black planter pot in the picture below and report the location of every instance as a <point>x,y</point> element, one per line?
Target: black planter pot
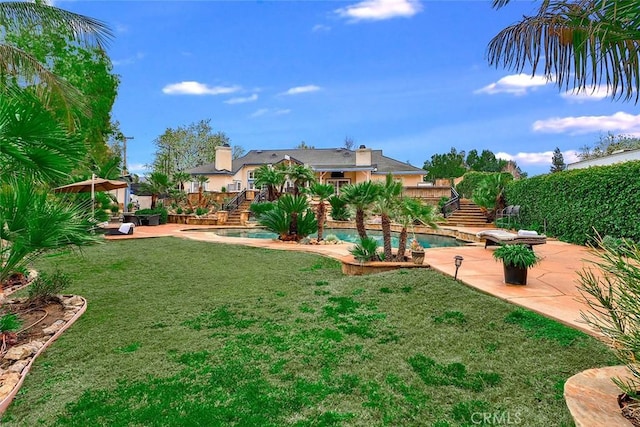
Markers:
<point>515,275</point>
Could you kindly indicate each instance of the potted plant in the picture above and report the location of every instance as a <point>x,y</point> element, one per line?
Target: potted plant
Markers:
<point>417,252</point>
<point>516,260</point>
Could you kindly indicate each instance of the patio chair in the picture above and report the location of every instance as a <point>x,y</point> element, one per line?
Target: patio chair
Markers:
<point>502,237</point>
<point>124,228</point>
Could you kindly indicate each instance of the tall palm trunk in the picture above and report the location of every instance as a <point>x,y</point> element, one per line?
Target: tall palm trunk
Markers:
<point>386,236</point>
<point>402,244</point>
<point>362,232</point>
<point>293,226</point>
<point>320,215</point>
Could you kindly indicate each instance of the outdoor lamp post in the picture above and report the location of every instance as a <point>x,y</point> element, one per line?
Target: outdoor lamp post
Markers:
<point>458,262</point>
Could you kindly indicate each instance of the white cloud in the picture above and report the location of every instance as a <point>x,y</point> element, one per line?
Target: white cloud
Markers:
<point>320,28</point>
<point>543,158</point>
<point>130,60</point>
<point>378,10</point>
<point>138,168</point>
<point>260,112</point>
<point>267,111</point>
<point>196,88</point>
<point>121,28</point>
<point>242,100</point>
<point>515,84</point>
<point>591,93</point>
<point>619,122</point>
<point>301,89</point>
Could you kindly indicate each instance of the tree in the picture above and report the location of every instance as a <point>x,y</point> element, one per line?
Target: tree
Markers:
<point>385,206</point>
<point>349,143</point>
<point>27,70</point>
<point>290,218</point>
<point>300,175</point>
<point>34,144</point>
<point>270,177</point>
<point>322,192</point>
<point>411,210</point>
<point>303,146</point>
<point>485,162</point>
<point>489,194</point>
<point>157,183</point>
<point>238,152</point>
<point>360,197</point>
<point>557,161</point>
<point>88,70</point>
<point>449,165</point>
<point>608,144</point>
<point>35,149</point>
<point>187,147</point>
<point>581,43</point>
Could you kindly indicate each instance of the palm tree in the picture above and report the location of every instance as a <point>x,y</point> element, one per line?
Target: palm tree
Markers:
<point>33,223</point>
<point>385,206</point>
<point>580,44</point>
<point>14,62</point>
<point>360,197</point>
<point>322,192</point>
<point>34,144</point>
<point>300,175</point>
<point>157,183</point>
<point>180,178</point>
<point>268,176</point>
<point>411,210</point>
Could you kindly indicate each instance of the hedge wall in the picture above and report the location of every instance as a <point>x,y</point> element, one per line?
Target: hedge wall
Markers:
<point>471,180</point>
<point>574,203</point>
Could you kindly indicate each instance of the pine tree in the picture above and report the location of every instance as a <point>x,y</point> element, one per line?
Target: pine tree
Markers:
<point>557,162</point>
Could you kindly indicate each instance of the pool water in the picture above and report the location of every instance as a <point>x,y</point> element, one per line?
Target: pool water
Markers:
<point>346,235</point>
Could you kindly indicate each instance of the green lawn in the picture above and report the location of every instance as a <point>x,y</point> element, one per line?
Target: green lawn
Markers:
<point>191,333</point>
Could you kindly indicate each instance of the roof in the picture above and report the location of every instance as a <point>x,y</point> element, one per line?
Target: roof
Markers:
<point>320,159</point>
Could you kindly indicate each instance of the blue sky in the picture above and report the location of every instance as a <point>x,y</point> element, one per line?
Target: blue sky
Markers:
<point>408,77</point>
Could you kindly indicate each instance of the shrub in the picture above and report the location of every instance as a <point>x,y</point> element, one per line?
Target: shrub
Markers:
<point>258,209</point>
<point>366,250</point>
<point>612,295</point>
<point>202,211</point>
<point>472,179</point>
<point>291,218</point>
<point>339,211</point>
<point>46,287</point>
<point>571,204</point>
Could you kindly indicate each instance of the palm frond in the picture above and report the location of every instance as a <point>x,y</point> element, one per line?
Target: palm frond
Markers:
<point>578,44</point>
<point>17,15</point>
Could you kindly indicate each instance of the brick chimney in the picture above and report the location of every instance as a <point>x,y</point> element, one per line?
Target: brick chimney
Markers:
<point>223,159</point>
<point>363,156</point>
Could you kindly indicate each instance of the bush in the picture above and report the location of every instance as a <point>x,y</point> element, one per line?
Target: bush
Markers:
<point>46,287</point>
<point>612,295</point>
<point>259,209</point>
<point>471,180</point>
<point>571,204</point>
<point>366,250</point>
<point>202,211</point>
<point>339,211</point>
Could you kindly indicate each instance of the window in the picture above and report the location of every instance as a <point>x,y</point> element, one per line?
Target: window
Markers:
<point>338,184</point>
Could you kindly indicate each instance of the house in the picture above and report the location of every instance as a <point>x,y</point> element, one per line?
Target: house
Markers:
<point>619,156</point>
<point>336,166</point>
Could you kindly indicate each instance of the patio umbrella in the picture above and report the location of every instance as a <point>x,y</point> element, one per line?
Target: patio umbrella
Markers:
<point>94,184</point>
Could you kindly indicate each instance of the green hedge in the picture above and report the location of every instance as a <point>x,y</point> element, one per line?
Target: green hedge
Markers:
<point>470,182</point>
<point>164,214</point>
<point>571,204</point>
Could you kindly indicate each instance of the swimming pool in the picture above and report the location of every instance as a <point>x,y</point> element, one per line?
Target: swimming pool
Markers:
<point>346,235</point>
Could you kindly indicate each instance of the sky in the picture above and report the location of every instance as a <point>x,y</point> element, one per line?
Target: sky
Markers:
<point>407,77</point>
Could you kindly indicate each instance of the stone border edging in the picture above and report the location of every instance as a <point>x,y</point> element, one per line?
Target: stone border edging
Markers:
<point>592,398</point>
<point>4,404</point>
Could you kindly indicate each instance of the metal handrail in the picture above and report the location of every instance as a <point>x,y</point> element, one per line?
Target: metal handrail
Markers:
<point>452,205</point>
<point>235,202</point>
<point>261,196</point>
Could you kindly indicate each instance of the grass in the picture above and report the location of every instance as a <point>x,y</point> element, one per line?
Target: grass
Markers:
<point>194,333</point>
